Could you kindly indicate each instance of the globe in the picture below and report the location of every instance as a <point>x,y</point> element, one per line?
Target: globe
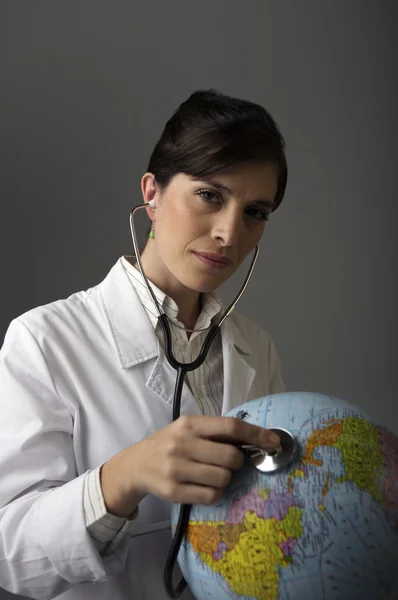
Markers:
<point>325,527</point>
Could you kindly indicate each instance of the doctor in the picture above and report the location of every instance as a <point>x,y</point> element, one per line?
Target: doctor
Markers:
<point>90,460</point>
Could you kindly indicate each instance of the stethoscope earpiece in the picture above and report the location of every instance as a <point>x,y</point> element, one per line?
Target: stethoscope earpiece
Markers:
<point>182,369</point>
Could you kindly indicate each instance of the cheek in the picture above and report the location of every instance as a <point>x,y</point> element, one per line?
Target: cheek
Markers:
<point>177,212</point>
<point>248,242</point>
<point>177,228</point>
<point>251,238</point>
<point>186,224</point>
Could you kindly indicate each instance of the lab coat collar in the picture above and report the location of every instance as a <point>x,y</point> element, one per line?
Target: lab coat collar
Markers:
<point>132,332</point>
<point>133,335</point>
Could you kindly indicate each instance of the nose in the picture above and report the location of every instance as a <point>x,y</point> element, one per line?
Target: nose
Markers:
<point>228,227</point>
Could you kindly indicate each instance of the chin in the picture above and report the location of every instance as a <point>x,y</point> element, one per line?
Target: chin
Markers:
<point>202,285</point>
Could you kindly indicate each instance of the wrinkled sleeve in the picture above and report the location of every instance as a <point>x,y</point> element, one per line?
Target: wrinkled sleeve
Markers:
<point>106,530</point>
<point>275,377</point>
<point>45,547</point>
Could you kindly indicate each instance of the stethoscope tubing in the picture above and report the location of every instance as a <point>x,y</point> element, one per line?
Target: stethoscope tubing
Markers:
<point>182,369</point>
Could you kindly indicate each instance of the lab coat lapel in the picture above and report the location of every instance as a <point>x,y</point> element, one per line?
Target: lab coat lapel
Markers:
<point>135,340</point>
<point>162,382</point>
<point>238,373</point>
<point>132,334</point>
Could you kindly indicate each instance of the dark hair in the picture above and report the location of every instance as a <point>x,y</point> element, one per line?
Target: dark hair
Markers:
<point>210,132</point>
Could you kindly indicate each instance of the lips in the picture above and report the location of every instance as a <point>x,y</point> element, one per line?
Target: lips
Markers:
<point>217,259</point>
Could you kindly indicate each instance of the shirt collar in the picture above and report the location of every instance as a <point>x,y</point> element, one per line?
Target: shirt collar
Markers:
<point>133,335</point>
<point>211,302</point>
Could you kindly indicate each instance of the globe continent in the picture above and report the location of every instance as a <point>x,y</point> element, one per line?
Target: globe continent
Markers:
<point>324,528</point>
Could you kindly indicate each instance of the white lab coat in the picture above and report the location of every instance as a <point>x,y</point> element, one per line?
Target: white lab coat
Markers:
<point>81,379</point>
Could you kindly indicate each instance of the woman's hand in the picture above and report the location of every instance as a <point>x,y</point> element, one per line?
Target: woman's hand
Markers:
<point>190,461</point>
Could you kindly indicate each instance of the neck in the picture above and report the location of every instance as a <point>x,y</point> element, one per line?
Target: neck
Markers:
<point>188,301</point>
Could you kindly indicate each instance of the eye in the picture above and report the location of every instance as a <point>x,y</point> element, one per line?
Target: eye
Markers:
<point>258,214</point>
<point>208,196</point>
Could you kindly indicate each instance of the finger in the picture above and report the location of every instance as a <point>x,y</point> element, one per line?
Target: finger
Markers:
<point>207,475</point>
<point>247,433</point>
<point>221,454</point>
<point>189,493</point>
<point>182,470</point>
<point>230,429</point>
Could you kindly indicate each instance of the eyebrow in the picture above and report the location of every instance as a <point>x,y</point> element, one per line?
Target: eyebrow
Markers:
<point>262,202</point>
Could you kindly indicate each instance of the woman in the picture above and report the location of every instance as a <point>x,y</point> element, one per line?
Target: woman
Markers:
<point>90,459</point>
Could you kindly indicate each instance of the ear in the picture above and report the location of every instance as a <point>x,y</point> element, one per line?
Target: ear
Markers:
<point>149,193</point>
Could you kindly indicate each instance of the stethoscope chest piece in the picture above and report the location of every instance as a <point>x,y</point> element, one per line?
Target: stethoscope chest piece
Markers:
<point>271,461</point>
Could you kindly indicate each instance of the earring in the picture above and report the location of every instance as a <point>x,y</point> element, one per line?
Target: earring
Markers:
<point>152,232</point>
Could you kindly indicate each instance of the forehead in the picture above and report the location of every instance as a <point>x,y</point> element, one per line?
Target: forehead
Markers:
<point>251,175</point>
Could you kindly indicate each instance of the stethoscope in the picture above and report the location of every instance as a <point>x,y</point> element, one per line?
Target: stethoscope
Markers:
<point>261,459</point>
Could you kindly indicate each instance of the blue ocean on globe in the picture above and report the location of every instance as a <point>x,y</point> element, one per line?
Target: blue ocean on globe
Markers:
<point>324,528</point>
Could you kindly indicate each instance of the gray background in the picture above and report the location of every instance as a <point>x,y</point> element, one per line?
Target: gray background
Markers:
<point>86,88</point>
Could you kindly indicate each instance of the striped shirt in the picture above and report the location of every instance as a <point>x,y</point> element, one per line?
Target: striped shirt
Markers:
<point>205,383</point>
